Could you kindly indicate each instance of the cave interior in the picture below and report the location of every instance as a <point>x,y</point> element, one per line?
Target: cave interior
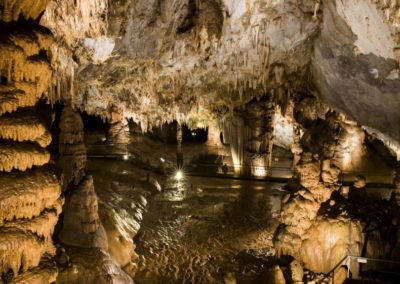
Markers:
<point>200,141</point>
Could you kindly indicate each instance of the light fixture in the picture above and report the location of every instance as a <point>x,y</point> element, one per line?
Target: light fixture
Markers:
<point>125,157</point>
<point>179,175</point>
<point>162,160</point>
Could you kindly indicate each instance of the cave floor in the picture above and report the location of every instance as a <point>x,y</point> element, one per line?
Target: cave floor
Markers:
<point>207,230</point>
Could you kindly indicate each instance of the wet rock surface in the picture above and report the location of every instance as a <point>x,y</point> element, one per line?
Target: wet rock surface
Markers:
<point>195,232</point>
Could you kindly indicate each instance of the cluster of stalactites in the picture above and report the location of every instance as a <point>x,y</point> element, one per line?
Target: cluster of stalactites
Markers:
<point>30,200</point>
<point>391,12</point>
<point>12,10</point>
<point>71,22</point>
<point>27,70</point>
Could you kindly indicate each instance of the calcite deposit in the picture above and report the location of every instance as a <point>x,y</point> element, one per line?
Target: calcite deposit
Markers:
<point>30,199</point>
<point>320,79</point>
<point>72,161</point>
<point>81,224</point>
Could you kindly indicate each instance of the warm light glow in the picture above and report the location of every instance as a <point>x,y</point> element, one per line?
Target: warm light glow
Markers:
<point>162,160</point>
<point>236,162</point>
<point>353,150</point>
<point>179,175</point>
<point>125,157</point>
<point>259,169</point>
<point>260,172</point>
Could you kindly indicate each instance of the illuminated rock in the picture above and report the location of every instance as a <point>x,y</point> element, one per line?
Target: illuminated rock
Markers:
<point>24,126</point>
<point>22,156</point>
<point>44,273</point>
<point>71,147</point>
<point>92,266</point>
<point>118,132</point>
<point>82,226</point>
<point>328,241</point>
<point>12,10</point>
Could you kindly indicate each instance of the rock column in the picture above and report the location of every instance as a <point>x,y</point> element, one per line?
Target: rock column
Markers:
<point>30,193</point>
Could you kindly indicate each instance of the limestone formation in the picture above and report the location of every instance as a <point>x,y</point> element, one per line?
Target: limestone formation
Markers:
<point>214,136</point>
<point>81,223</point>
<point>318,178</point>
<point>118,132</point>
<point>240,65</point>
<point>71,147</point>
<point>122,218</point>
<point>24,126</point>
<point>21,156</point>
<point>92,266</point>
<point>45,273</point>
<point>37,190</point>
<point>30,199</point>
<point>11,10</point>
<point>259,143</point>
<point>395,200</point>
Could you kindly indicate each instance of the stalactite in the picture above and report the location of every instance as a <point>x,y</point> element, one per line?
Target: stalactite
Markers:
<point>30,10</point>
<point>24,126</point>
<point>30,200</point>
<point>22,156</point>
<point>37,190</point>
<point>45,273</point>
<point>20,250</point>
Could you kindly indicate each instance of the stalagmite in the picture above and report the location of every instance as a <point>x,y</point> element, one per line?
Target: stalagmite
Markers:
<point>259,144</point>
<point>179,153</point>
<point>82,226</point>
<point>214,134</point>
<point>118,133</point>
<point>296,148</point>
<point>42,225</point>
<point>71,147</point>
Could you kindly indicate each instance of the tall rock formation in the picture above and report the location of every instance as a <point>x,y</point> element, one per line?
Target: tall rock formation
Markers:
<point>30,193</point>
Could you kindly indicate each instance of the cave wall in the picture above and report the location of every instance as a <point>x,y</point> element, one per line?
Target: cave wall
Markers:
<point>355,65</point>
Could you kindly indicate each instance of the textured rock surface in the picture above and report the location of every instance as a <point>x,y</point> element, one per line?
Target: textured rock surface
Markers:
<point>11,10</point>
<point>72,149</point>
<point>81,223</point>
<point>30,200</point>
<point>92,266</point>
<point>355,64</point>
<point>193,61</point>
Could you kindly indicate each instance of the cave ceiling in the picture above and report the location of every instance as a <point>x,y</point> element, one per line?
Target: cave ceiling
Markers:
<point>198,61</point>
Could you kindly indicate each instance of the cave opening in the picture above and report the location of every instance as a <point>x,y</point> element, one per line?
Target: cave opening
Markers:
<point>199,141</point>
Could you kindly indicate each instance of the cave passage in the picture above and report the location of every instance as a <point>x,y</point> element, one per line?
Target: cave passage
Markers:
<point>199,141</point>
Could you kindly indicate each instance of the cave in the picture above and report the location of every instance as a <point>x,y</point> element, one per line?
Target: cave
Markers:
<point>199,141</point>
